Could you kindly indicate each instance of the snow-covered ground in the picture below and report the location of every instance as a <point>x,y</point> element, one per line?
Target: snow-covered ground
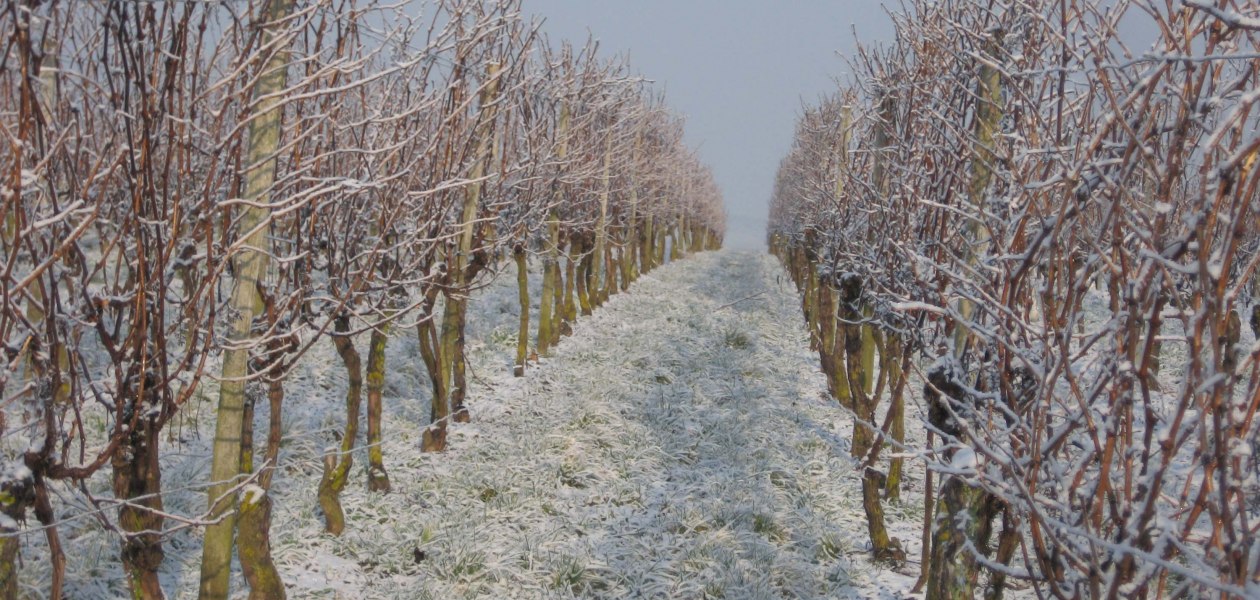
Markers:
<point>681,444</point>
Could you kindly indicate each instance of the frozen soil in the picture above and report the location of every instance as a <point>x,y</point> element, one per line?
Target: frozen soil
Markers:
<point>679,445</point>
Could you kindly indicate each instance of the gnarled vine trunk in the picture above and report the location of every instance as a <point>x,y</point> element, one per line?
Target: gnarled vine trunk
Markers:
<point>337,467</point>
<point>137,478</point>
<point>16,495</point>
<point>434,437</point>
<point>377,476</point>
<point>253,521</point>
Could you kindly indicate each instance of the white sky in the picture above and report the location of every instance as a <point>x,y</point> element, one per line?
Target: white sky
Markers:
<point>738,70</point>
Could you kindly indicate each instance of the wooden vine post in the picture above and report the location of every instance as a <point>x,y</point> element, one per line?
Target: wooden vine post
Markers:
<point>962,517</point>
<point>250,264</point>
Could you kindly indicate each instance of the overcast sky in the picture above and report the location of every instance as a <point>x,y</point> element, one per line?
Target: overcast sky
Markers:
<point>738,70</point>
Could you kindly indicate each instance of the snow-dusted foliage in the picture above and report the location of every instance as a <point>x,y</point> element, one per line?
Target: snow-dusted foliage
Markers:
<point>1055,205</point>
<point>195,194</point>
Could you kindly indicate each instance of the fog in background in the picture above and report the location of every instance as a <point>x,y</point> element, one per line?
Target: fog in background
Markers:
<point>738,70</point>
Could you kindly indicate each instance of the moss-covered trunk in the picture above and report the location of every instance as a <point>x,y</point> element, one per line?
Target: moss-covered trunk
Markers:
<point>612,271</point>
<point>894,355</point>
<point>522,293</point>
<point>616,282</point>
<point>458,389</point>
<point>583,275</point>
<point>646,245</point>
<point>827,327</point>
<point>562,315</point>
<point>546,304</point>
<point>868,352</point>
<point>609,270</point>
<point>9,546</point>
<point>570,305</point>
<point>254,544</point>
<point>548,309</point>
<point>434,439</point>
<point>337,467</point>
<point>16,495</point>
<point>864,437</point>
<point>625,260</point>
<point>809,305</point>
<point>137,477</point>
<point>253,521</point>
<point>551,305</point>
<point>450,331</point>
<point>882,546</point>
<point>961,504</point>
<point>377,476</point>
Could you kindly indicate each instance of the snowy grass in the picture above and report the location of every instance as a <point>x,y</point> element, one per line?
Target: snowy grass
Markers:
<point>670,448</point>
<point>680,445</point>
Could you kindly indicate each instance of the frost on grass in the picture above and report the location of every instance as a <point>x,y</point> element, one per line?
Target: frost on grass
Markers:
<point>674,447</point>
<point>679,445</point>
